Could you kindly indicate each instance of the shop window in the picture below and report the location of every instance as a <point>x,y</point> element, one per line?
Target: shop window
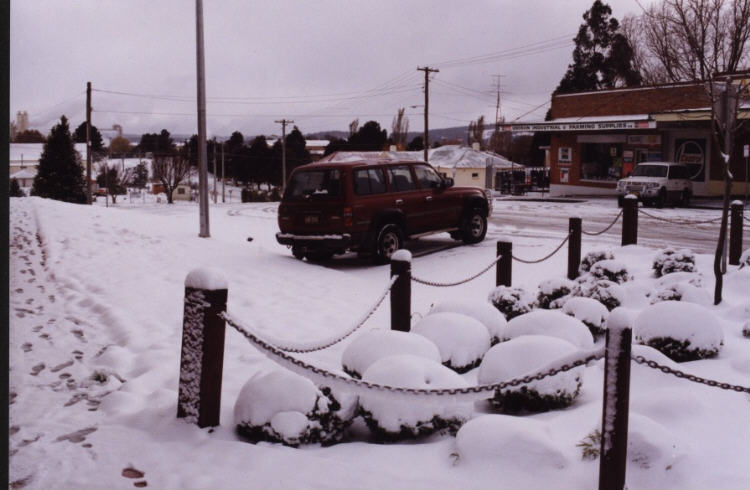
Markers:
<point>601,161</point>
<point>564,154</point>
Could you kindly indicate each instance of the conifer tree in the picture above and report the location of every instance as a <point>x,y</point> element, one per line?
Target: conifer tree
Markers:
<point>60,175</point>
<point>15,189</point>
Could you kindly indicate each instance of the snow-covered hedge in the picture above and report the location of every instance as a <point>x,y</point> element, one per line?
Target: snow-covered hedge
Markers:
<point>461,339</point>
<point>553,292</point>
<point>550,323</point>
<point>591,312</point>
<point>682,331</point>
<point>524,355</point>
<point>391,418</point>
<point>681,291</point>
<point>376,344</point>
<point>281,406</point>
<point>511,301</point>
<point>610,270</point>
<point>671,260</point>
<point>592,258</point>
<point>483,311</point>
<point>608,293</point>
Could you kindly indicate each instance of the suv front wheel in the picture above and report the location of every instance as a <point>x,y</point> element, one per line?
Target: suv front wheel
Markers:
<point>474,227</point>
<point>390,238</point>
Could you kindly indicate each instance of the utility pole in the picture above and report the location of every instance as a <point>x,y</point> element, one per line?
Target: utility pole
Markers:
<point>283,123</point>
<point>427,70</point>
<point>88,142</point>
<point>223,179</point>
<point>202,157</point>
<point>214,152</point>
<point>497,104</point>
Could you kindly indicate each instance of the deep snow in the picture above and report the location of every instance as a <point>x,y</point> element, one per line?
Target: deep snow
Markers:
<point>95,329</point>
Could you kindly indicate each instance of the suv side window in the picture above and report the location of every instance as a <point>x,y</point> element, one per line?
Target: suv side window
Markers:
<point>427,177</point>
<point>369,181</point>
<point>400,178</point>
<point>677,173</point>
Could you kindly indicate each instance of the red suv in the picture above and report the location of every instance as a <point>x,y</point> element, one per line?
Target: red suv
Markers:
<point>372,207</point>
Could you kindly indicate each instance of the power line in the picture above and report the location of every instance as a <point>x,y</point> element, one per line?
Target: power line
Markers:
<point>529,49</point>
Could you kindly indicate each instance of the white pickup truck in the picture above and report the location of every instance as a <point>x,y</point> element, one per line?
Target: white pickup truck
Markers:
<point>657,183</point>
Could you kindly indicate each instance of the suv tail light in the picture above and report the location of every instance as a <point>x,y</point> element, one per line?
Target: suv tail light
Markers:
<point>348,219</point>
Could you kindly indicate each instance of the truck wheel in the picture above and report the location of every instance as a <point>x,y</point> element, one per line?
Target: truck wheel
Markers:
<point>474,227</point>
<point>620,201</point>
<point>320,255</point>
<point>661,199</point>
<point>298,252</point>
<point>390,238</point>
<point>685,198</point>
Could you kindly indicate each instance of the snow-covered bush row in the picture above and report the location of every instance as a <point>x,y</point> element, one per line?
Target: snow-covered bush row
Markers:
<point>391,420</point>
<point>608,293</point>
<point>511,301</point>
<point>553,292</point>
<point>551,323</point>
<point>671,260</point>
<point>376,344</point>
<point>482,311</point>
<point>461,339</point>
<point>280,406</point>
<point>745,259</point>
<point>591,312</point>
<point>610,270</point>
<point>681,291</point>
<point>592,258</point>
<point>682,331</point>
<point>521,356</point>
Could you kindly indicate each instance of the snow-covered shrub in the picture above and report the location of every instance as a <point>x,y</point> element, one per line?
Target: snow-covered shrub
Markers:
<point>391,418</point>
<point>591,312</point>
<point>376,344</point>
<point>483,311</point>
<point>608,293</point>
<point>671,260</point>
<point>745,259</point>
<point>552,292</point>
<point>746,329</point>
<point>681,291</point>
<point>461,339</point>
<point>610,270</point>
<point>511,301</point>
<point>592,258</point>
<point>550,323</point>
<point>524,355</point>
<point>281,406</point>
<point>681,331</point>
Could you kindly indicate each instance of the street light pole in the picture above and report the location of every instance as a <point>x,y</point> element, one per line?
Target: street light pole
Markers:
<point>202,156</point>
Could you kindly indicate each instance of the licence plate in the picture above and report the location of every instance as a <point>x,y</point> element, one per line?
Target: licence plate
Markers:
<point>311,220</point>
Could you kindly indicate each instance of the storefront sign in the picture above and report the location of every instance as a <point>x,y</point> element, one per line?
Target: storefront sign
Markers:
<point>644,139</point>
<point>582,126</point>
<point>692,152</point>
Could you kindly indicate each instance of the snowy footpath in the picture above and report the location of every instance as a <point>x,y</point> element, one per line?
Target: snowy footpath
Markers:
<point>96,304</point>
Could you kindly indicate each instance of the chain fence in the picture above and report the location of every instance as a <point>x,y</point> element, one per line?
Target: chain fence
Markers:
<point>597,233</point>
<point>358,386</point>
<point>565,240</point>
<point>306,348</point>
<point>690,377</point>
<point>456,283</point>
<point>679,222</point>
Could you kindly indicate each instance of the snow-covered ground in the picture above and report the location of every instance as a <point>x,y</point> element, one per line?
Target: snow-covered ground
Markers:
<point>96,308</point>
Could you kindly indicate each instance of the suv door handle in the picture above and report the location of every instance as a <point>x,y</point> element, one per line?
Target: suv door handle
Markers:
<point>399,201</point>
<point>428,198</point>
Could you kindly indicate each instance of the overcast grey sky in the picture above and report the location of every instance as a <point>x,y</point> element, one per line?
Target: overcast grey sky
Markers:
<point>321,63</point>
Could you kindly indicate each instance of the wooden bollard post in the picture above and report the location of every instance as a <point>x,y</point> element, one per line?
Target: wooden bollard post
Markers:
<point>614,445</point>
<point>630,220</point>
<point>574,247</point>
<point>202,358</point>
<point>504,266</point>
<point>401,291</point>
<point>735,233</point>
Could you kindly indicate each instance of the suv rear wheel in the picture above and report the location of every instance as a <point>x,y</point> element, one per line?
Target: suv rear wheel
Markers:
<point>685,198</point>
<point>474,227</point>
<point>390,238</point>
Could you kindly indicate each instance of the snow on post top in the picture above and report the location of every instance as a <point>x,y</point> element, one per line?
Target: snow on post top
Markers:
<point>631,196</point>
<point>619,319</point>
<point>401,255</point>
<point>207,279</point>
<point>737,202</point>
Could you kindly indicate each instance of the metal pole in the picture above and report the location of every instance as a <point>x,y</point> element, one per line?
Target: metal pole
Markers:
<point>504,266</point>
<point>88,142</point>
<point>223,178</point>
<point>574,247</point>
<point>202,156</point>
<point>630,220</point>
<point>214,152</point>
<point>401,293</point>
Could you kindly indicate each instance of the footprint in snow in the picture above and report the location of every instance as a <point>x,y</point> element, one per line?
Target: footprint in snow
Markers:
<point>131,472</point>
<point>77,436</point>
<point>37,369</point>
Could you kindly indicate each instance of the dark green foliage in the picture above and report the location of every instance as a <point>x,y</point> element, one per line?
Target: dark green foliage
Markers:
<point>161,143</point>
<point>610,271</point>
<point>97,144</point>
<point>604,291</point>
<point>552,290</point>
<point>421,429</point>
<point>602,58</point>
<point>368,138</point>
<point>679,350</point>
<point>592,258</point>
<point>746,330</point>
<point>334,145</point>
<point>671,260</point>
<point>511,301</point>
<point>523,399</point>
<point>417,144</point>
<point>59,175</point>
<point>591,445</point>
<point>140,176</point>
<point>15,189</point>
<point>110,178</point>
<point>465,368</point>
<point>29,136</point>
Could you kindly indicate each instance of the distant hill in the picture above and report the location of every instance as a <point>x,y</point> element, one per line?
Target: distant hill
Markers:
<point>458,132</point>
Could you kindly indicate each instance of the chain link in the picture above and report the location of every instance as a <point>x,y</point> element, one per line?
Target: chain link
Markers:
<point>589,233</point>
<point>304,350</point>
<point>680,222</point>
<point>690,377</point>
<point>471,392</point>
<point>546,257</point>
<point>457,283</point>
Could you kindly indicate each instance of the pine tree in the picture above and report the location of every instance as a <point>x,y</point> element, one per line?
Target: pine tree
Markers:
<point>15,189</point>
<point>60,175</point>
<point>602,58</point>
<point>97,143</point>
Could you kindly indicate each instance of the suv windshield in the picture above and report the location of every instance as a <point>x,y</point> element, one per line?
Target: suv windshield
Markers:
<point>650,171</point>
<point>320,183</point>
